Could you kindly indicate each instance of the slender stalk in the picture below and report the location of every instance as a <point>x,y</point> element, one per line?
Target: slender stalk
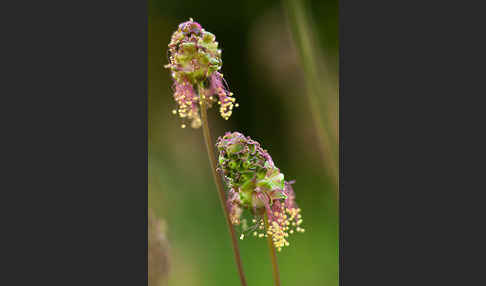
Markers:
<point>317,84</point>
<point>273,255</point>
<point>219,185</point>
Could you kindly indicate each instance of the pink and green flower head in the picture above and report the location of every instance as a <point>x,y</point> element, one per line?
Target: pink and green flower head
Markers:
<point>195,61</point>
<point>257,186</point>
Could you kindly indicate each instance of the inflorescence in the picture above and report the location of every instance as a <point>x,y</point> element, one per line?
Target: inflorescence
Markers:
<point>195,61</point>
<point>255,184</point>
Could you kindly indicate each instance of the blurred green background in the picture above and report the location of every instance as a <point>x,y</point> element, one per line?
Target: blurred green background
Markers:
<point>263,70</point>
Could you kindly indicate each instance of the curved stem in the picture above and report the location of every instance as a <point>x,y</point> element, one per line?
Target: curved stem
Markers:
<point>219,185</point>
<point>318,85</point>
<point>273,255</point>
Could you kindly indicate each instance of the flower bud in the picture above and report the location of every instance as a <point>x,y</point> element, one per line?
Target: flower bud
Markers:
<point>158,248</point>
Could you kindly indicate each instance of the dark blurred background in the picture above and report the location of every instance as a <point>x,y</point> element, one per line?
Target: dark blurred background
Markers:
<point>263,69</point>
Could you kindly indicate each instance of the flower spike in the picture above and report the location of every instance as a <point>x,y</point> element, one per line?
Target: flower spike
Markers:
<point>195,61</point>
<point>258,186</point>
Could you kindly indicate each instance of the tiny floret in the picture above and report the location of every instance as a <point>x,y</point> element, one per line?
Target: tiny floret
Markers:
<point>257,186</point>
<point>195,61</point>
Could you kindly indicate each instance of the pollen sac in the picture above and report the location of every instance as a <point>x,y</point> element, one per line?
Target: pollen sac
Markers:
<point>195,61</point>
<point>258,186</point>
